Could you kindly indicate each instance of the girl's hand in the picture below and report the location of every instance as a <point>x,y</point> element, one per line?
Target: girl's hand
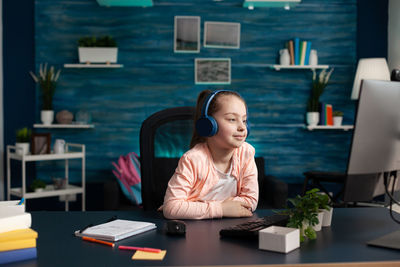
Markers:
<point>232,208</point>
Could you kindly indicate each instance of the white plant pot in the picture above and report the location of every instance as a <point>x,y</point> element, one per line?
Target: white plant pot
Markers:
<point>312,118</point>
<point>337,121</point>
<point>98,54</point>
<point>47,117</point>
<point>318,226</point>
<point>22,148</point>
<point>326,221</point>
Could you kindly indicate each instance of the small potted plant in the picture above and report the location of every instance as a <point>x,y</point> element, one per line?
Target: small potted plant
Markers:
<point>47,80</point>
<point>306,214</point>
<point>337,118</point>
<point>23,138</point>
<point>37,185</point>
<point>97,50</point>
<point>318,86</point>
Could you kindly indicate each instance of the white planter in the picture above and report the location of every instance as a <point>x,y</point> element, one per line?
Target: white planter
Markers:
<point>312,118</point>
<point>98,54</point>
<point>326,221</point>
<point>337,121</point>
<point>47,117</point>
<point>22,148</point>
<point>279,239</point>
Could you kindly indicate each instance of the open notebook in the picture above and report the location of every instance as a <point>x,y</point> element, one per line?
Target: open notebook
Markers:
<point>116,230</point>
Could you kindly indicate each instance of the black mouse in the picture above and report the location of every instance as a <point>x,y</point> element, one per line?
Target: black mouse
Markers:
<point>176,227</point>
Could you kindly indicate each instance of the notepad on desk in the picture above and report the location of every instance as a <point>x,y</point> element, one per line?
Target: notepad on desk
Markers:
<point>116,230</point>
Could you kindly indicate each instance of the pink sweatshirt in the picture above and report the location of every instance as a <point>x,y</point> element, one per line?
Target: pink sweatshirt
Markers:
<point>195,176</point>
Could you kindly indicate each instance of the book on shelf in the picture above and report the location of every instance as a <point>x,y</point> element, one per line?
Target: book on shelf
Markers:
<point>291,51</point>
<point>17,255</point>
<point>328,114</point>
<point>322,111</point>
<point>303,52</point>
<point>307,58</point>
<point>116,230</point>
<point>296,51</point>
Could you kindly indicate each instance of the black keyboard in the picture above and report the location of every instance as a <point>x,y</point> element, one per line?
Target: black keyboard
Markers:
<point>250,228</point>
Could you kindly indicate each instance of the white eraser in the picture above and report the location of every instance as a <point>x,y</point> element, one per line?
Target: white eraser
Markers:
<point>279,239</point>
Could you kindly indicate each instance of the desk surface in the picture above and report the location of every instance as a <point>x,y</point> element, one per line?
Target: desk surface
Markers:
<point>344,241</point>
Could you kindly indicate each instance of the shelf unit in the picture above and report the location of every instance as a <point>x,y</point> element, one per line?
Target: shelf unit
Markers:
<point>92,66</point>
<point>73,151</point>
<point>71,126</point>
<point>299,67</point>
<point>328,127</point>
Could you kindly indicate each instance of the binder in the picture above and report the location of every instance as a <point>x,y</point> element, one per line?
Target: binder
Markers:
<point>116,230</point>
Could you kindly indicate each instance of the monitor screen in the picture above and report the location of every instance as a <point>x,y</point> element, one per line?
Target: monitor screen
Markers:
<point>375,147</point>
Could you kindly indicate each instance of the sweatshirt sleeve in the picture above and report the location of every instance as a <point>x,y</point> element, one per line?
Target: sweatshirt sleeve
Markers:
<point>248,191</point>
<point>180,200</point>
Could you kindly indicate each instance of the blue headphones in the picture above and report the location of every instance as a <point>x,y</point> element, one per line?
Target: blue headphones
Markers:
<point>207,126</point>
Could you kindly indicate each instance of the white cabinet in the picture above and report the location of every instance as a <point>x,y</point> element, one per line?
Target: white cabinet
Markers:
<point>73,151</point>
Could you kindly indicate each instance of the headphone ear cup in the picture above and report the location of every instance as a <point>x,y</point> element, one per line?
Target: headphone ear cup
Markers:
<point>206,126</point>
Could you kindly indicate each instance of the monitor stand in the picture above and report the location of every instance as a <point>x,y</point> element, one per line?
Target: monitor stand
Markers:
<point>391,240</point>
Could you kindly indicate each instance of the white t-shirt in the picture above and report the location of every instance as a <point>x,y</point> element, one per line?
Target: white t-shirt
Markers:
<point>225,188</point>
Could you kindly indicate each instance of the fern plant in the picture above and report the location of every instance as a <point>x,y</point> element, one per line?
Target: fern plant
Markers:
<point>92,41</point>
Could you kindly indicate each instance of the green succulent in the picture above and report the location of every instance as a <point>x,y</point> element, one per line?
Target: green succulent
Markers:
<point>337,113</point>
<point>23,135</point>
<point>92,41</point>
<point>37,183</point>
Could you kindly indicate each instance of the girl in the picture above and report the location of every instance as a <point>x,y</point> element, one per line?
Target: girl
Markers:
<point>217,177</point>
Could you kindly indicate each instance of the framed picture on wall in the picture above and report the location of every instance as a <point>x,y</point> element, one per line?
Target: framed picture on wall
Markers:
<point>41,143</point>
<point>187,34</point>
<point>222,34</point>
<point>212,70</point>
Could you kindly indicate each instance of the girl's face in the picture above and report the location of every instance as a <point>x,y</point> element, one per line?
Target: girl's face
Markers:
<point>231,118</point>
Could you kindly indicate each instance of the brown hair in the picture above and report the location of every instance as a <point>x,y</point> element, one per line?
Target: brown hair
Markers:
<point>212,108</point>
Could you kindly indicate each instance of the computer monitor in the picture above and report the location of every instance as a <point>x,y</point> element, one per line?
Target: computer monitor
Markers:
<point>375,147</point>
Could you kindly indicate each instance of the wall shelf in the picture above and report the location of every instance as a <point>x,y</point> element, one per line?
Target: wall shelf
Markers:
<point>327,127</point>
<point>302,67</point>
<point>93,66</point>
<point>63,126</point>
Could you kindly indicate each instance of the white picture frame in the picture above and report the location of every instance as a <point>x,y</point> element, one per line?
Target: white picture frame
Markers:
<point>212,70</point>
<point>222,35</point>
<point>186,34</point>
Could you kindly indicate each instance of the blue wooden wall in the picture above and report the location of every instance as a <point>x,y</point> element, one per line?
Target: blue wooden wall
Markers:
<point>154,77</point>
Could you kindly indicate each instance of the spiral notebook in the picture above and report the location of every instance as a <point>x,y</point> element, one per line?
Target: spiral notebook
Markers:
<point>116,230</point>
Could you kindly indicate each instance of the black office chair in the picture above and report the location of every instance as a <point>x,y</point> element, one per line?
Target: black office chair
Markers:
<point>164,137</point>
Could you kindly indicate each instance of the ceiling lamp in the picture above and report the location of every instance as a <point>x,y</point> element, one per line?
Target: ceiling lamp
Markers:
<point>140,3</point>
<point>286,4</point>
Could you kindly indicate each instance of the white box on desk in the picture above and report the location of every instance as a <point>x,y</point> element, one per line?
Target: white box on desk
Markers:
<point>279,239</point>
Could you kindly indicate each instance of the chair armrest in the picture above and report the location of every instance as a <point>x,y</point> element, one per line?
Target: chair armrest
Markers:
<point>275,193</point>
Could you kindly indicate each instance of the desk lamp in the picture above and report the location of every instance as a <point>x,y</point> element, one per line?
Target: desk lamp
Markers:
<point>369,68</point>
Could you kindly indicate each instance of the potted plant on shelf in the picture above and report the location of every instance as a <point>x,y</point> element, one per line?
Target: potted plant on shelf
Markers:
<point>47,80</point>
<point>23,138</point>
<point>37,185</point>
<point>97,50</point>
<point>337,118</point>
<point>318,86</point>
<point>307,213</point>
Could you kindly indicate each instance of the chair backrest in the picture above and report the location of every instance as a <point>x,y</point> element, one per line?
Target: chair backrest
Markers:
<point>164,137</point>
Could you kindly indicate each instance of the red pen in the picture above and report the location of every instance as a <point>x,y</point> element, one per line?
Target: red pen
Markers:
<point>155,250</point>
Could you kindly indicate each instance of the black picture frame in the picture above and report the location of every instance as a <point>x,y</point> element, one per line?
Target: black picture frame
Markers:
<point>40,143</point>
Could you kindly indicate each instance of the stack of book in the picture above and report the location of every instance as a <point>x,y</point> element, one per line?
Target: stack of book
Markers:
<point>299,51</point>
<point>17,239</point>
<point>325,114</point>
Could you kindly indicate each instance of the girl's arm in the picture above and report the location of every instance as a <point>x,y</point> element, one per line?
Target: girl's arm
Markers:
<point>180,201</point>
<point>248,191</point>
